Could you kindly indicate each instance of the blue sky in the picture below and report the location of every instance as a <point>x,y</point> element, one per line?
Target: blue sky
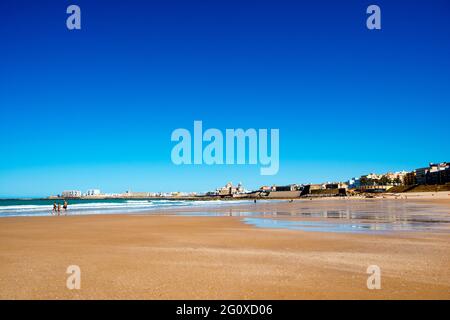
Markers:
<point>96,107</point>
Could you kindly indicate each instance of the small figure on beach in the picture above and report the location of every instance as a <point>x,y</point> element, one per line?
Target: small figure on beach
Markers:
<point>59,208</point>
<point>65,205</point>
<point>54,208</point>
<point>254,201</point>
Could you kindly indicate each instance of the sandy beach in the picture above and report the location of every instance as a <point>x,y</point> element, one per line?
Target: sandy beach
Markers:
<point>167,256</point>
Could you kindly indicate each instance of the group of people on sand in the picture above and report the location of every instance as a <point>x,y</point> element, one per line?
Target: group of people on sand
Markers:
<point>57,208</point>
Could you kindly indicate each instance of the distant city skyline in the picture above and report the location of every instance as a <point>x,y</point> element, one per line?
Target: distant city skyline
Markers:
<point>75,192</point>
<point>95,108</point>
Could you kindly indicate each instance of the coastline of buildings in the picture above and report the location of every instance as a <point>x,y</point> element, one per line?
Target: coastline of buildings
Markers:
<point>97,194</point>
<point>434,174</point>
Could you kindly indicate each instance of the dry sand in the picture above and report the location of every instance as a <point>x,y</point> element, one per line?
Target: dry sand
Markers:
<point>173,257</point>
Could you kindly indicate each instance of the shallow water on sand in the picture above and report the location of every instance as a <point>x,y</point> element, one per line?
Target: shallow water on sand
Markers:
<point>343,227</point>
<point>345,216</point>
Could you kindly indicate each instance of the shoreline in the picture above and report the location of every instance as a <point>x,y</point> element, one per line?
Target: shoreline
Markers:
<point>424,194</point>
<point>441,199</point>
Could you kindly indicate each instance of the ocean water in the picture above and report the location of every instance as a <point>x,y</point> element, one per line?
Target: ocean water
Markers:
<point>42,207</point>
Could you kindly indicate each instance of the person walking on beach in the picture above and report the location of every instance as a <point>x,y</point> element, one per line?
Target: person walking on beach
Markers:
<point>59,208</point>
<point>54,208</point>
<point>65,206</point>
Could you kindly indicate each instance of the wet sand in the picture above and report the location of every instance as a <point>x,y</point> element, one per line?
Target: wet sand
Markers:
<point>139,256</point>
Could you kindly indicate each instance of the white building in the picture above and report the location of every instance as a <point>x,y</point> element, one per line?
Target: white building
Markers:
<point>229,189</point>
<point>71,194</point>
<point>373,176</point>
<point>93,192</point>
<point>354,183</point>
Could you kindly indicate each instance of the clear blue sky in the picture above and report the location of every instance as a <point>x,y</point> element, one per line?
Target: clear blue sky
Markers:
<point>96,107</point>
